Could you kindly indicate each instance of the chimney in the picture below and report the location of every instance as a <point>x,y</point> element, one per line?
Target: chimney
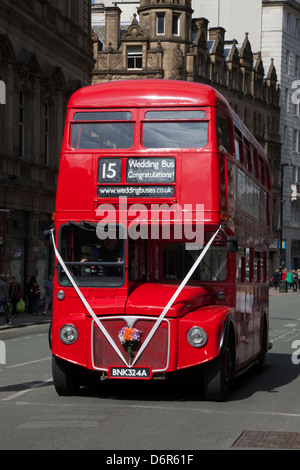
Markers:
<point>216,33</point>
<point>112,28</point>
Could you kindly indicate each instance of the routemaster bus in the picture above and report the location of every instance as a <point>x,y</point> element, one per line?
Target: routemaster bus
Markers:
<point>161,238</point>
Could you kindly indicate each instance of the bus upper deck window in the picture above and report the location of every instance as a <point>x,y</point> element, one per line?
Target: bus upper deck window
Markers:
<point>103,116</point>
<point>175,129</point>
<point>223,135</point>
<point>172,115</point>
<point>96,130</point>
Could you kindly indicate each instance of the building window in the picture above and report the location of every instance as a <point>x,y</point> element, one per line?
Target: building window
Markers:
<point>175,24</point>
<point>47,134</point>
<point>271,95</point>
<point>295,140</point>
<point>247,84</point>
<point>285,137</point>
<point>21,124</point>
<point>258,88</point>
<point>100,45</point>
<point>2,118</point>
<point>233,77</point>
<point>286,100</point>
<point>287,62</point>
<point>199,65</point>
<point>297,71</point>
<point>217,72</point>
<point>297,29</point>
<point>296,175</point>
<point>72,12</point>
<point>160,23</point>
<point>134,57</point>
<point>288,26</point>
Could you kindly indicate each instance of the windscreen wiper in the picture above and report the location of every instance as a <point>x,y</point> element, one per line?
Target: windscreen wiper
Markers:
<point>84,225</point>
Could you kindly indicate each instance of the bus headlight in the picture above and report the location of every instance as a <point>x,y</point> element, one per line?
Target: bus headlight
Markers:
<point>60,295</point>
<point>68,334</point>
<point>220,295</point>
<point>197,337</point>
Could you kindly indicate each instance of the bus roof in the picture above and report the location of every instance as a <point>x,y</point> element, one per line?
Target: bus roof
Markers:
<point>146,93</point>
<point>149,93</point>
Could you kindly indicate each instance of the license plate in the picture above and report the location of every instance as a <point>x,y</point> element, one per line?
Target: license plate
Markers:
<point>129,372</point>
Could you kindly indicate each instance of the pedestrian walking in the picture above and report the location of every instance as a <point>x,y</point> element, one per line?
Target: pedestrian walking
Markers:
<point>283,278</point>
<point>295,280</point>
<point>49,292</point>
<point>289,280</point>
<point>36,293</point>
<point>29,294</point>
<point>276,278</point>
<point>4,298</point>
<point>15,294</point>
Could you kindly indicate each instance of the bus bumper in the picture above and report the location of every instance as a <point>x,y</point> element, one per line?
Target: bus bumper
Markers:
<point>168,350</point>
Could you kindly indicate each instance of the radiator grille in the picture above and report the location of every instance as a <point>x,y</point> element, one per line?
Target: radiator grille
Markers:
<point>155,354</point>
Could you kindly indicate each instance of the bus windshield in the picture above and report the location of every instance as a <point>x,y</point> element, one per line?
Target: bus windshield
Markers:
<point>179,258</point>
<point>91,261</point>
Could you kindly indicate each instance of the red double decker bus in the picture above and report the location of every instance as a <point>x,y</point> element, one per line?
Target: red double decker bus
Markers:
<point>161,238</point>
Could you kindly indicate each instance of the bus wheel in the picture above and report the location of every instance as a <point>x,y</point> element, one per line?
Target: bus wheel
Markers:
<point>264,349</point>
<point>65,378</point>
<point>218,374</point>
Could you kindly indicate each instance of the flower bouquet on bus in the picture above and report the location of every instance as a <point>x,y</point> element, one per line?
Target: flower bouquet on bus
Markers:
<point>129,336</point>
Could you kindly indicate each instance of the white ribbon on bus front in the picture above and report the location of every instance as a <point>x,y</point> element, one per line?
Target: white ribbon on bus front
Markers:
<point>160,318</point>
<point>174,297</point>
<point>86,304</point>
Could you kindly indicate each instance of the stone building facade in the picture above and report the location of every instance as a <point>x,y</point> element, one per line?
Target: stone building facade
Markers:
<point>167,42</point>
<point>45,55</point>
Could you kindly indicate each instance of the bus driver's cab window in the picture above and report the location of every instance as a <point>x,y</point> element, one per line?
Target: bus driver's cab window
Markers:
<point>91,261</point>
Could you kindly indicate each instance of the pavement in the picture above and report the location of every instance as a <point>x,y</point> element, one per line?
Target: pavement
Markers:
<point>275,292</point>
<point>26,319</point>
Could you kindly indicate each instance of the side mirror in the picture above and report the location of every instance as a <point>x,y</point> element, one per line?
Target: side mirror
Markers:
<point>47,235</point>
<point>232,244</point>
<point>47,238</point>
